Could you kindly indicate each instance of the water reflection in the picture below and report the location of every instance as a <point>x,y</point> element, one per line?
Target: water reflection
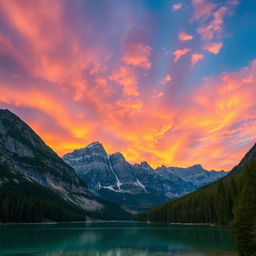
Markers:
<point>115,239</point>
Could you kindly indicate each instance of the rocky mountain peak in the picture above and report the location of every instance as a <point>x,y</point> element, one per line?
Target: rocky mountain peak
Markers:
<point>143,165</point>
<point>6,111</point>
<point>19,138</point>
<point>117,157</point>
<point>162,167</point>
<point>94,152</point>
<point>197,166</point>
<point>92,147</point>
<point>95,145</point>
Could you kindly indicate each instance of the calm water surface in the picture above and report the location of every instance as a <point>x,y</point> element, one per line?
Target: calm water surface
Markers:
<point>115,238</point>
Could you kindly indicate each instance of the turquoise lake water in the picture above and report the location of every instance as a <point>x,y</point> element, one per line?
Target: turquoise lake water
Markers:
<point>115,239</point>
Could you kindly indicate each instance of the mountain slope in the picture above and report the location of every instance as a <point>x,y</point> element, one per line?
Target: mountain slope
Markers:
<point>244,221</point>
<point>24,200</point>
<point>211,204</point>
<point>136,187</point>
<point>23,152</point>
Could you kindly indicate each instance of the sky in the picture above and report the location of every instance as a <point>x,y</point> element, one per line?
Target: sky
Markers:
<point>169,82</point>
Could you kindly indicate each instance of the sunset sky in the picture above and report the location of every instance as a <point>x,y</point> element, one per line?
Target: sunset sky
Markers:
<point>169,82</point>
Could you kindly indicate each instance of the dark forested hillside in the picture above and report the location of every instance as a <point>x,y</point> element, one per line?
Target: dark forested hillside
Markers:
<point>211,204</point>
<point>22,200</point>
<point>244,222</point>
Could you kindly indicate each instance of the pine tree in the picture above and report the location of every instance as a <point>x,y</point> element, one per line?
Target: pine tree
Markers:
<point>244,223</point>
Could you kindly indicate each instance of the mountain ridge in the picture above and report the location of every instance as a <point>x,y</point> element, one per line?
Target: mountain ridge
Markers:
<point>91,144</point>
<point>113,178</point>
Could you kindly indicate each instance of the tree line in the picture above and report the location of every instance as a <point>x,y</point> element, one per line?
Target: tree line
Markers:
<point>230,200</point>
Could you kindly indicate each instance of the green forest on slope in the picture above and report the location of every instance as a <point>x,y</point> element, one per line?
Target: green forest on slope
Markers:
<point>213,203</point>
<point>244,222</point>
<point>22,200</point>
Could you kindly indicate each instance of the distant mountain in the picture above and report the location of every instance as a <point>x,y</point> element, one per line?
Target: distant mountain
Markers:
<point>33,176</point>
<point>136,187</point>
<point>214,203</point>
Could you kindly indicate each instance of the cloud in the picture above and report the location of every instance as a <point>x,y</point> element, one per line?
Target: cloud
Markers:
<point>202,9</point>
<point>213,47</point>
<point>196,57</point>
<point>129,105</point>
<point>138,55</point>
<point>210,21</point>
<point>75,82</point>
<point>176,7</point>
<point>183,36</point>
<point>177,54</point>
<point>214,27</point>
<point>157,95</point>
<point>124,77</point>
<point>166,79</point>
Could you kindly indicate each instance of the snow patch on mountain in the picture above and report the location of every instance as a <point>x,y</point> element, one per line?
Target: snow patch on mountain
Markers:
<point>118,183</point>
<point>141,185</point>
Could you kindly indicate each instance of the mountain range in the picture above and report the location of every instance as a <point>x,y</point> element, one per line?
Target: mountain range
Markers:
<point>136,187</point>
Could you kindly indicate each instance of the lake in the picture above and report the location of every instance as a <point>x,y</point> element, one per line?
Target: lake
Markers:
<point>115,238</point>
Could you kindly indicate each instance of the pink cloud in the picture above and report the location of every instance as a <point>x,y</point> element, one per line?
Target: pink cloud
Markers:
<point>210,18</point>
<point>179,53</point>
<point>138,55</point>
<point>167,79</point>
<point>183,36</point>
<point>202,9</point>
<point>213,47</point>
<point>176,7</point>
<point>157,95</point>
<point>215,26</point>
<point>196,57</point>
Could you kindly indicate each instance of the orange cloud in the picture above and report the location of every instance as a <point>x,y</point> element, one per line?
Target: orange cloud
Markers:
<point>196,57</point>
<point>213,47</point>
<point>177,54</point>
<point>138,54</point>
<point>127,80</point>
<point>183,36</point>
<point>129,106</point>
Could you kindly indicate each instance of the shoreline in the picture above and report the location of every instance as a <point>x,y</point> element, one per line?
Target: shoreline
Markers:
<point>113,221</point>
